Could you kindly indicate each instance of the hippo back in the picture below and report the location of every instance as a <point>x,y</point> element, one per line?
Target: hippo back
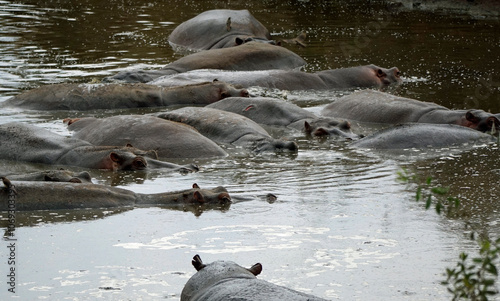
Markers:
<point>264,110</point>
<point>379,107</point>
<point>422,135</point>
<point>211,29</point>
<point>169,139</point>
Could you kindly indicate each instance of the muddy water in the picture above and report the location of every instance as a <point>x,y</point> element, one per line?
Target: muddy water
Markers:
<point>342,226</point>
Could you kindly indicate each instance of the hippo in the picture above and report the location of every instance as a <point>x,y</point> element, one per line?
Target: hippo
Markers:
<point>29,143</point>
<point>379,107</point>
<point>219,28</point>
<point>275,112</point>
<point>82,97</point>
<point>226,280</point>
<point>421,136</point>
<point>369,76</point>
<point>57,175</point>
<point>30,196</point>
<point>168,138</point>
<point>229,128</point>
<point>249,56</point>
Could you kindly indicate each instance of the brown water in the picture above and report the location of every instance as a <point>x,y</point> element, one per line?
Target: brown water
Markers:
<point>342,227</point>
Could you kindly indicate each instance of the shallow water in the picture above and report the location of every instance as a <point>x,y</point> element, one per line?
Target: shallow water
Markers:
<point>342,226</point>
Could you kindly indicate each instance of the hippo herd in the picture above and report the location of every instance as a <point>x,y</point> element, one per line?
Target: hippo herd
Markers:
<point>204,110</point>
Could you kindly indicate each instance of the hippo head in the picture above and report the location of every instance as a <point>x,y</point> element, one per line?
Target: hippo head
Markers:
<point>228,90</point>
<point>124,160</point>
<point>325,126</point>
<point>208,275</point>
<point>481,121</point>
<point>387,76</point>
<point>63,175</point>
<point>275,145</point>
<point>218,195</point>
<point>245,39</point>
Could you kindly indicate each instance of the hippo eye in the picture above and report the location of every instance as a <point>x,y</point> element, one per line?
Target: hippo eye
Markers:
<point>398,73</point>
<point>139,164</point>
<point>380,73</point>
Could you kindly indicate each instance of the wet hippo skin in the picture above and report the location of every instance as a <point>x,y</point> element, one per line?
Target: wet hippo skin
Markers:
<point>379,107</point>
<point>83,97</point>
<point>168,139</point>
<point>57,195</point>
<point>369,76</point>
<point>226,280</point>
<point>229,128</point>
<point>219,28</point>
<point>249,56</point>
<point>28,143</point>
<point>276,112</point>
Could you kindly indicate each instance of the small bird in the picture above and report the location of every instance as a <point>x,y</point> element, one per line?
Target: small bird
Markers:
<point>9,185</point>
<point>6,182</point>
<point>228,24</point>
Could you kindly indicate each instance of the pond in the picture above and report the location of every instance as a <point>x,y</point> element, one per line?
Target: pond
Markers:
<point>342,226</point>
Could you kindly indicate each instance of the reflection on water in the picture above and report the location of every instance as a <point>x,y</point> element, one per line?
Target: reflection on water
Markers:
<point>341,227</point>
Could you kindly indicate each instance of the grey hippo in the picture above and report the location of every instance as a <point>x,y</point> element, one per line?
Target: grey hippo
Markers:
<point>30,196</point>
<point>169,139</point>
<point>379,107</point>
<point>82,97</point>
<point>229,128</point>
<point>276,112</point>
<point>28,143</point>
<point>368,76</point>
<point>219,28</point>
<point>422,136</point>
<point>226,280</point>
<point>249,56</point>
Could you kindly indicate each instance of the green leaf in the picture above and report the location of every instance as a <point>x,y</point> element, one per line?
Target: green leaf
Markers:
<point>418,196</point>
<point>428,203</point>
<point>440,190</point>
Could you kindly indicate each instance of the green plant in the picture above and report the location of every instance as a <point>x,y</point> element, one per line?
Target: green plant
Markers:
<point>475,279</point>
<point>430,193</point>
<point>472,279</point>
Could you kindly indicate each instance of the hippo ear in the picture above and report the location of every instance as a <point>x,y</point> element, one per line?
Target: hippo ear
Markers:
<point>48,178</point>
<point>215,80</point>
<point>256,269</point>
<point>307,127</point>
<point>238,41</point>
<point>471,117</point>
<point>196,186</point>
<point>197,263</point>
<point>346,125</point>
<point>129,145</point>
<point>380,73</point>
<point>321,132</point>
<point>75,180</point>
<point>114,157</point>
<point>198,197</point>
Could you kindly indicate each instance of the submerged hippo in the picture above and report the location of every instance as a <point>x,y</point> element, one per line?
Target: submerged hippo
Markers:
<point>81,97</point>
<point>168,138</point>
<point>379,107</point>
<point>250,56</point>
<point>219,28</point>
<point>229,128</point>
<point>369,76</point>
<point>226,280</point>
<point>422,135</point>
<point>272,111</point>
<point>58,175</point>
<point>28,143</point>
<point>30,196</point>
